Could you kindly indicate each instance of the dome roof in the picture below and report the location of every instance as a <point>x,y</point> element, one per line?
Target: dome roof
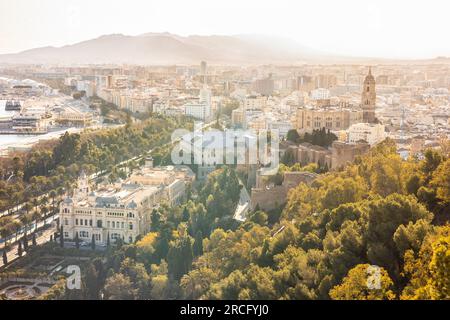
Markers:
<point>369,77</point>
<point>68,200</point>
<point>132,205</point>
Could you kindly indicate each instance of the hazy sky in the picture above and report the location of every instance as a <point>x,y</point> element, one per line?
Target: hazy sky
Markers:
<point>377,28</point>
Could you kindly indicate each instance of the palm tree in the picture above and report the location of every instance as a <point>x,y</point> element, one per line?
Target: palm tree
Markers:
<point>36,216</point>
<point>60,191</point>
<point>5,232</point>
<point>35,203</point>
<point>44,211</point>
<point>53,195</point>
<point>26,219</point>
<point>44,202</point>
<point>17,226</point>
<point>15,200</point>
<point>27,206</point>
<point>43,207</point>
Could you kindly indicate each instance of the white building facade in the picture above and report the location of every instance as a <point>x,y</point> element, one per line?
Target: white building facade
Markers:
<point>368,132</point>
<point>198,110</point>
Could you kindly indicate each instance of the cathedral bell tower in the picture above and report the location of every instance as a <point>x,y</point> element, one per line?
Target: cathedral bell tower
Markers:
<point>368,98</point>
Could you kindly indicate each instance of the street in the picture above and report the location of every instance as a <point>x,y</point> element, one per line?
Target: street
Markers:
<point>41,238</point>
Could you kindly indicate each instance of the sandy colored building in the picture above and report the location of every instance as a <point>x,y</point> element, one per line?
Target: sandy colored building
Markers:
<point>334,118</point>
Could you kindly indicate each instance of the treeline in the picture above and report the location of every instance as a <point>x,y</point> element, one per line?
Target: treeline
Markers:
<point>380,211</point>
<point>318,137</point>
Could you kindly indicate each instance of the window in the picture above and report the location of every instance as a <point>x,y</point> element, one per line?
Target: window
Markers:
<point>99,223</point>
<point>90,222</point>
<point>84,234</point>
<point>130,226</point>
<point>66,221</point>
<point>123,225</point>
<point>81,222</point>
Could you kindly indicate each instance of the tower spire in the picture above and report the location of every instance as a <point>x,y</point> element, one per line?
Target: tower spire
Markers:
<point>368,98</point>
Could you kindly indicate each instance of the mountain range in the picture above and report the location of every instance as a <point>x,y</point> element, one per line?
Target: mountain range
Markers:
<point>167,48</point>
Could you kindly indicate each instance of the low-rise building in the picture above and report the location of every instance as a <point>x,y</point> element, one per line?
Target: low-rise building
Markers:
<point>28,123</point>
<point>254,103</point>
<point>198,110</point>
<point>72,117</point>
<point>369,132</point>
<point>344,153</point>
<point>269,197</point>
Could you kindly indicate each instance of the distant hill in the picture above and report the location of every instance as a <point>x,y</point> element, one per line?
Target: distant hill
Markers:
<point>166,48</point>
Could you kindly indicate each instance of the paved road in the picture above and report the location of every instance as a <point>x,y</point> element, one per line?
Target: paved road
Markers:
<point>32,226</point>
<point>41,238</point>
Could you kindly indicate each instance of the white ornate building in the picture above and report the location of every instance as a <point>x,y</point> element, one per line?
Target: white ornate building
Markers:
<point>123,210</point>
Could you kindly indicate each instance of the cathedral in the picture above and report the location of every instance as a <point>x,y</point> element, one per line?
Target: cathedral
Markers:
<point>368,98</point>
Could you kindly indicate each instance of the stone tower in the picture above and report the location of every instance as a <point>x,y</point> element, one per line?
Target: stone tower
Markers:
<point>368,98</point>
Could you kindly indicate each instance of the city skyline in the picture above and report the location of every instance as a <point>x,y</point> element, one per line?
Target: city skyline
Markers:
<point>210,151</point>
<point>379,30</point>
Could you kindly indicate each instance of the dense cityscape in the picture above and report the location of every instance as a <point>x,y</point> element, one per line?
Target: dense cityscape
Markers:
<point>118,181</point>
